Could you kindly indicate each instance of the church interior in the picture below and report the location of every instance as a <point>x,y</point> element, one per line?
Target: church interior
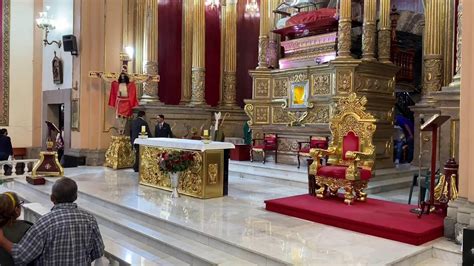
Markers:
<point>246,132</point>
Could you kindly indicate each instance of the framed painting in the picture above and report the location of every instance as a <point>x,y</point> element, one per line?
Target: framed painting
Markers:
<point>4,61</point>
<point>299,93</point>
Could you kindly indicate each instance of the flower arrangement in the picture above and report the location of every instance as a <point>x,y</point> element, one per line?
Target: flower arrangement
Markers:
<point>175,161</point>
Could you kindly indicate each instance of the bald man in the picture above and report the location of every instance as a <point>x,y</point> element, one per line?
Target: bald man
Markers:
<point>44,241</point>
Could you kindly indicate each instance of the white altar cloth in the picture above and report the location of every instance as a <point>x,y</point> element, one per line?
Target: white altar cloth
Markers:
<point>186,144</point>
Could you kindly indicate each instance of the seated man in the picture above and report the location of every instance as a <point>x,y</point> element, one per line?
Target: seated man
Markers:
<point>65,236</point>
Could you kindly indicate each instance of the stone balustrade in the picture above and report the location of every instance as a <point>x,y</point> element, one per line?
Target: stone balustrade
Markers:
<point>27,166</point>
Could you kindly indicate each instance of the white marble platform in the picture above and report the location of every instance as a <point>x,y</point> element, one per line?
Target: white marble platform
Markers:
<point>236,225</point>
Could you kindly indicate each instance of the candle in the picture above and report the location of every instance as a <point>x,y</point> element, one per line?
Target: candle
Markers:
<point>206,133</point>
<point>143,129</point>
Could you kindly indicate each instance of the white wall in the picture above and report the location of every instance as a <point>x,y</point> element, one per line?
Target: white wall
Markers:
<point>21,73</point>
<point>62,11</point>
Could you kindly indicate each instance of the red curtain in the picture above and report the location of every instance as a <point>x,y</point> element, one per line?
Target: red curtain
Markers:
<point>169,50</point>
<point>247,51</point>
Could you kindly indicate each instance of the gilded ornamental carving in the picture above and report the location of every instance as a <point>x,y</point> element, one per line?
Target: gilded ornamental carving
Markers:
<point>281,87</point>
<point>433,75</point>
<point>321,84</point>
<point>198,79</point>
<point>262,114</point>
<point>344,81</point>
<point>319,114</point>
<point>279,115</point>
<point>262,86</point>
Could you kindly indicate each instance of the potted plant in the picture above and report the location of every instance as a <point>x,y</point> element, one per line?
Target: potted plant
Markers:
<point>174,162</point>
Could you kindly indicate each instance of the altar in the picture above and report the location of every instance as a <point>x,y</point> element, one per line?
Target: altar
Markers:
<point>206,178</point>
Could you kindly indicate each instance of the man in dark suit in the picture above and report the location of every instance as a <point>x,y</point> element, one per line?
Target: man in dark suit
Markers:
<point>6,148</point>
<point>135,130</point>
<point>163,129</point>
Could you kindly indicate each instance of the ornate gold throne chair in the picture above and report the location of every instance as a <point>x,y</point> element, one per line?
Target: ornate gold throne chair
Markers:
<point>351,152</point>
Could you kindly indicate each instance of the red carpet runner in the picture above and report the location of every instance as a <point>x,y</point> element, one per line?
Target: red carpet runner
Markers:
<point>375,217</point>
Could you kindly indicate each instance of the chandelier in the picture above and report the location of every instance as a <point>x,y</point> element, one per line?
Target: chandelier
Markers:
<point>251,9</point>
<point>212,3</point>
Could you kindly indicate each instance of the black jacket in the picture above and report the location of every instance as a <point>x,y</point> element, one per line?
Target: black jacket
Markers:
<point>164,132</point>
<point>6,148</point>
<point>136,128</point>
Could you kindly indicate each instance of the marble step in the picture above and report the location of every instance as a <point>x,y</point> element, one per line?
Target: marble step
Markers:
<point>119,245</point>
<point>386,180</point>
<point>190,246</point>
<point>440,252</point>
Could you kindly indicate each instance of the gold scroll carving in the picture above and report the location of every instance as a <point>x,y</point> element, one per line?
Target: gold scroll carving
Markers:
<point>279,115</point>
<point>433,74</point>
<point>319,114</point>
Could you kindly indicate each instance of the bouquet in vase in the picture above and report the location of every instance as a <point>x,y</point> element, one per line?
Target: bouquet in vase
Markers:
<point>174,162</point>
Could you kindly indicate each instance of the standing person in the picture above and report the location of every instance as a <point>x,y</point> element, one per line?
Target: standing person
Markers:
<point>60,143</point>
<point>6,148</point>
<point>135,130</point>
<point>163,129</point>
<point>14,230</point>
<point>65,236</point>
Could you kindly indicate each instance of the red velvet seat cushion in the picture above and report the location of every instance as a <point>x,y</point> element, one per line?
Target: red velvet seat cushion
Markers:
<point>311,16</point>
<point>305,149</point>
<point>337,171</point>
<point>318,143</point>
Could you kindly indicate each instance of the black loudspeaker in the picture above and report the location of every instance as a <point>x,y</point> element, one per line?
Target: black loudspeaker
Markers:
<point>70,44</point>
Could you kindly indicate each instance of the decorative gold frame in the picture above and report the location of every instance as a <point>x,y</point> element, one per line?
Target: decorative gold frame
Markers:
<point>4,115</point>
<point>350,116</point>
<point>35,171</point>
<point>75,115</point>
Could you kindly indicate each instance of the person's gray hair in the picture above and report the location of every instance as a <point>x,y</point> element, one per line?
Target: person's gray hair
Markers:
<point>64,190</point>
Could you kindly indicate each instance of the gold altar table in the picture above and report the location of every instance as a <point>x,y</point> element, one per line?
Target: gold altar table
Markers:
<point>205,178</point>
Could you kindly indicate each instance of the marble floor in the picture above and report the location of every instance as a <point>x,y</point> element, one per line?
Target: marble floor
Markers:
<point>240,219</point>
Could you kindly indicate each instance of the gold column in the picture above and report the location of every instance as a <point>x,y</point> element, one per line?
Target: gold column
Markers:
<point>432,47</point>
<point>344,30</point>
<point>150,50</point>
<point>384,32</point>
<point>229,18</point>
<point>199,53</point>
<point>369,31</point>
<point>274,39</point>
<point>448,40</point>
<point>140,6</point>
<point>187,51</point>
<point>457,77</point>
<point>263,37</point>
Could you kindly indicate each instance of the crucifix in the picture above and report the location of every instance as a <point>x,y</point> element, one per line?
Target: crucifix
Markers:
<point>123,93</point>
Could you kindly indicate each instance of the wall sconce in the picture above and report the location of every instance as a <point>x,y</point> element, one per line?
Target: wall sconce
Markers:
<point>125,57</point>
<point>251,9</point>
<point>46,23</point>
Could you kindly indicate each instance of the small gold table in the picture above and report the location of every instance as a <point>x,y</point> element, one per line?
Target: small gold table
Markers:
<point>204,179</point>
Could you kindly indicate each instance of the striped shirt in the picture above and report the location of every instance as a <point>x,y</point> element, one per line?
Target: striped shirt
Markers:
<point>65,236</point>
